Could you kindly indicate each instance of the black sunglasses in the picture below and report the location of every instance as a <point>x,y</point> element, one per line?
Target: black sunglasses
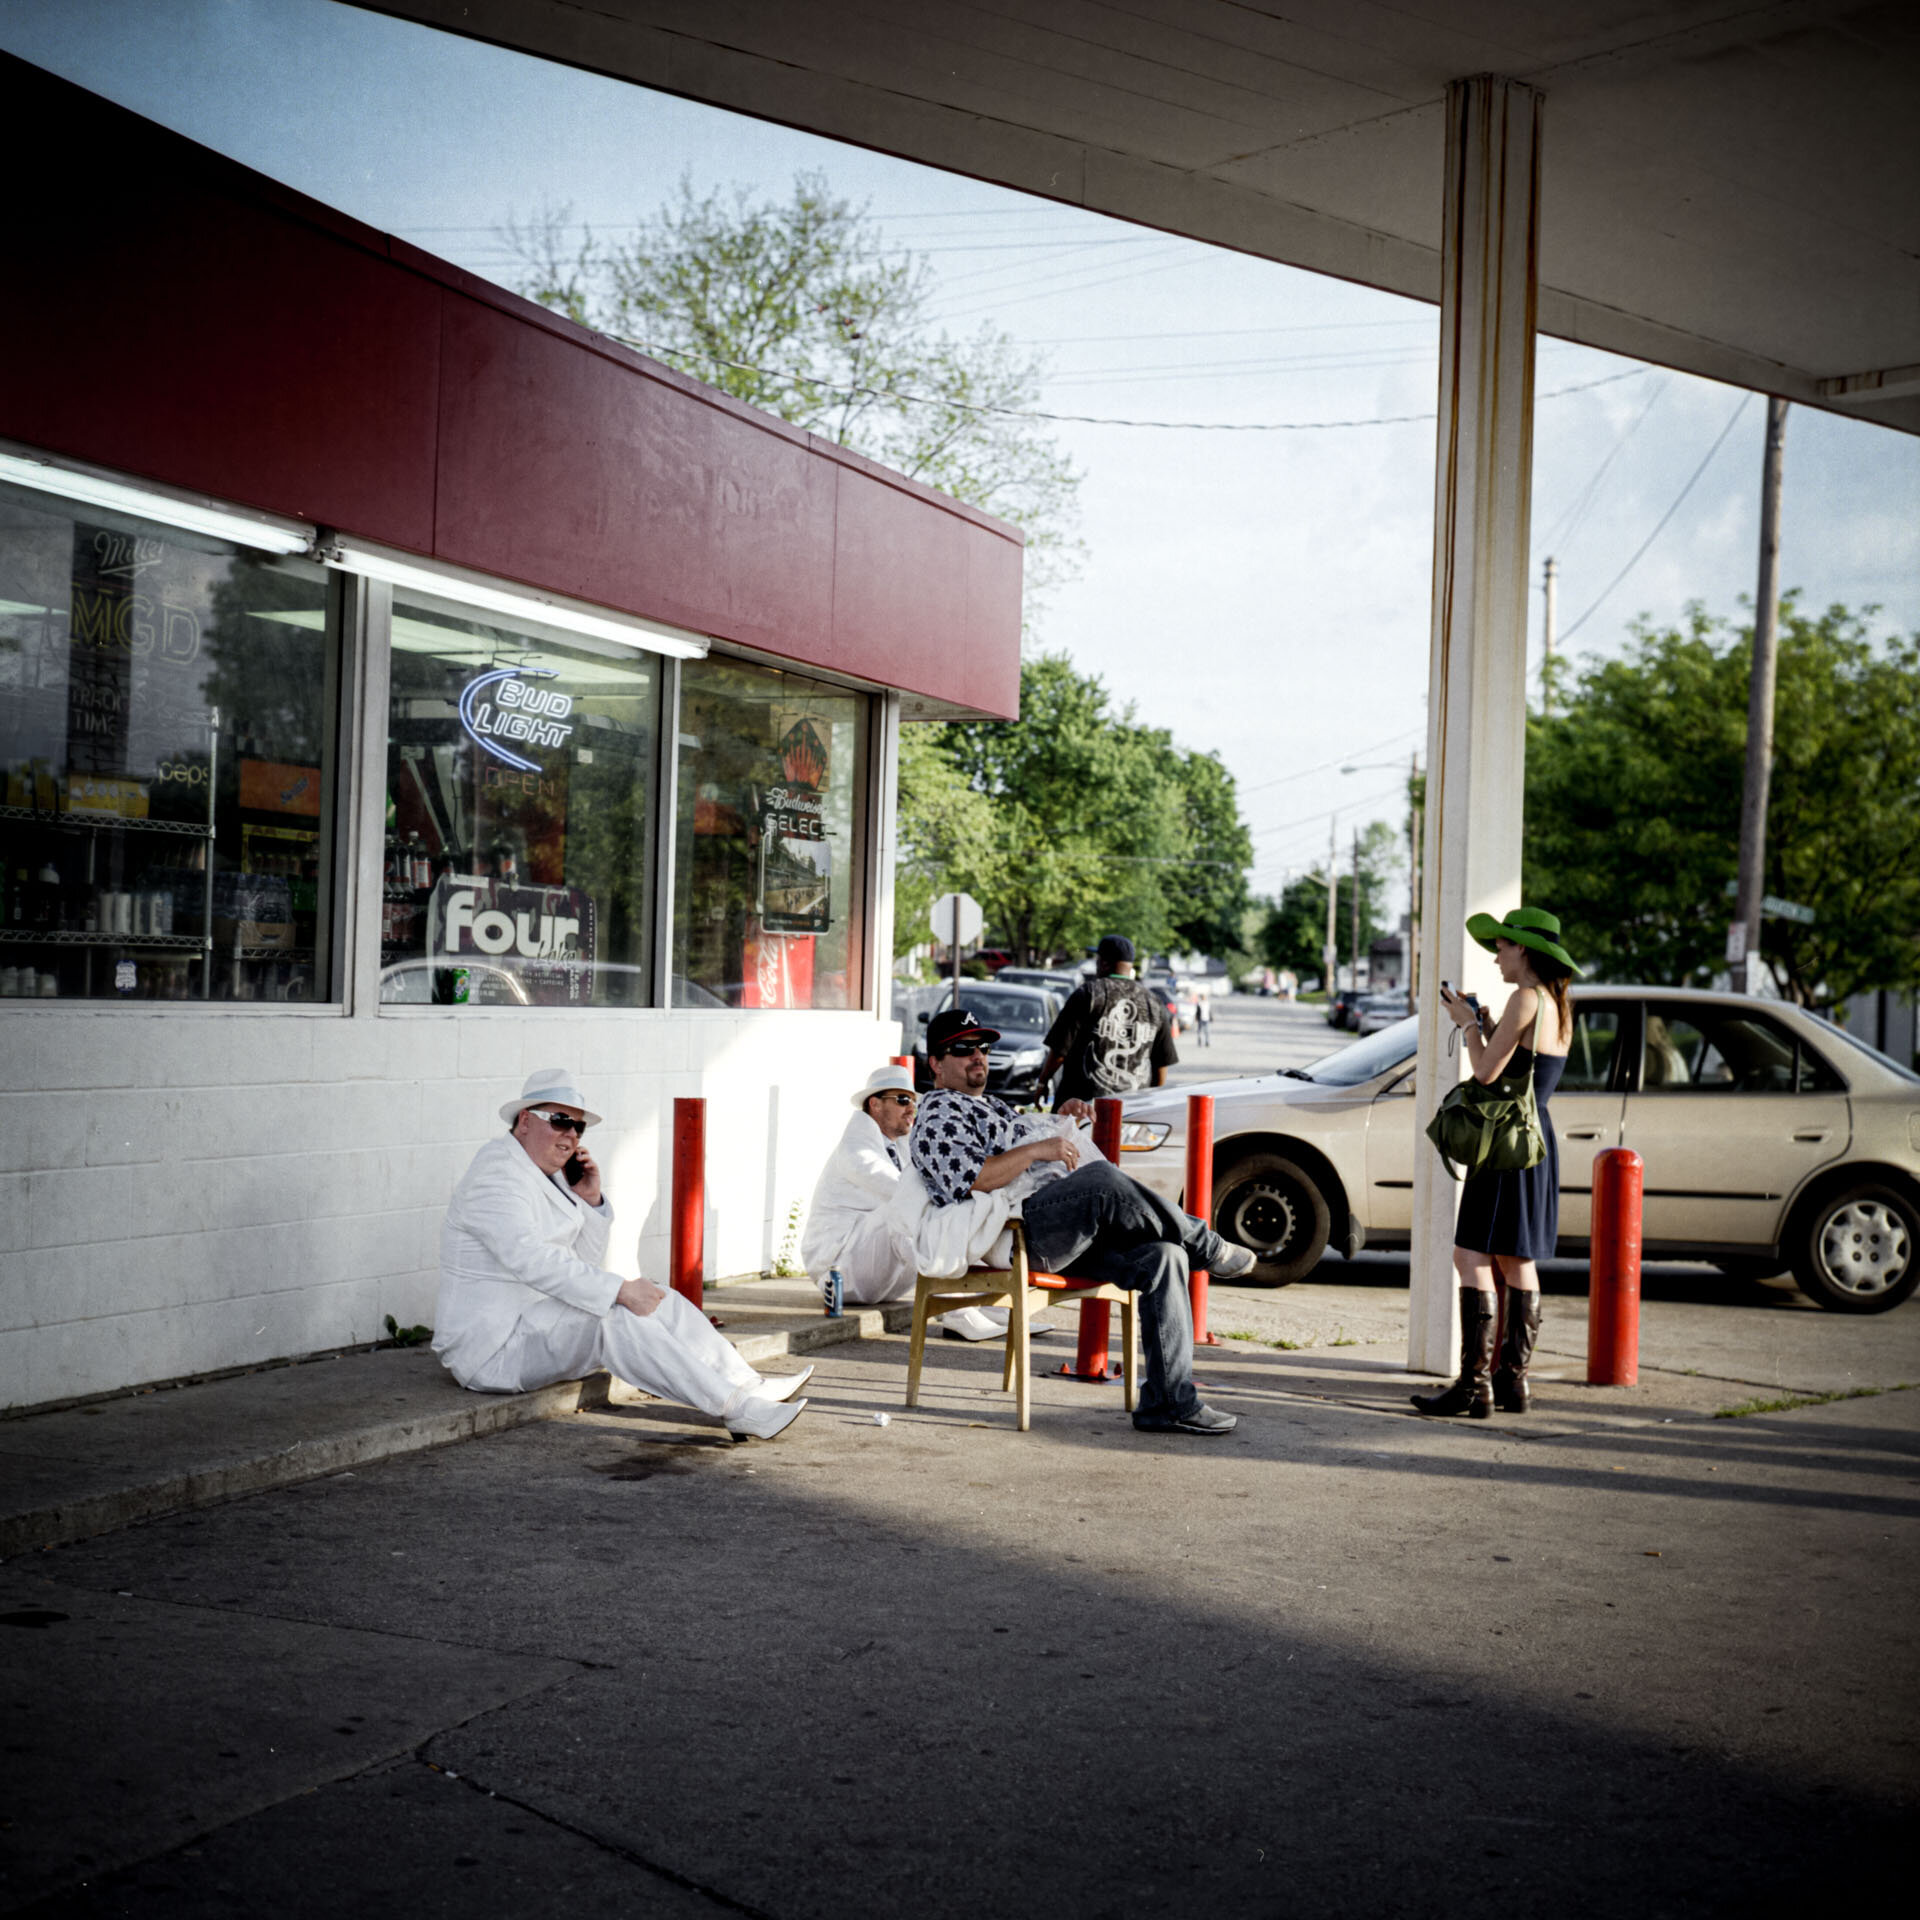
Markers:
<point>904,1099</point>
<point>960,1049</point>
<point>559,1122</point>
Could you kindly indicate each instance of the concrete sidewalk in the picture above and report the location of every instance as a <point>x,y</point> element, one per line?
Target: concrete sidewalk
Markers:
<point>86,1470</point>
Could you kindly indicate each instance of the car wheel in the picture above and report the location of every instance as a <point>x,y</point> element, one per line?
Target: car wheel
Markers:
<point>1858,1250</point>
<point>1271,1204</point>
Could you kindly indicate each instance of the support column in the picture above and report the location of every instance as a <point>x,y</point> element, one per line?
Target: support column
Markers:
<point>1477,687</point>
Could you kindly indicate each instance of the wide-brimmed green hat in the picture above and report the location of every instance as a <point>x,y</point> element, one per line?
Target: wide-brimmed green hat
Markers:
<point>1525,927</point>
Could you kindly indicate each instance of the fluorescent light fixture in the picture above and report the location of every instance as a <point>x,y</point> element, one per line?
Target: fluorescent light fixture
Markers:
<point>261,532</point>
<point>514,603</point>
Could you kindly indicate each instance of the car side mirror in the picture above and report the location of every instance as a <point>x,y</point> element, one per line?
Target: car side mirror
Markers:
<point>921,1017</point>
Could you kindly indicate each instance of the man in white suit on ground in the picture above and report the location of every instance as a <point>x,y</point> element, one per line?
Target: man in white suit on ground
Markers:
<point>526,1300</point>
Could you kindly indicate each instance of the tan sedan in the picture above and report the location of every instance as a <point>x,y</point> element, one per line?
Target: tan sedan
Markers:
<point>1771,1139</point>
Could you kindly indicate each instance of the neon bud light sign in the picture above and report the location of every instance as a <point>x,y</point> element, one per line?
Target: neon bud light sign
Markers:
<point>498,706</point>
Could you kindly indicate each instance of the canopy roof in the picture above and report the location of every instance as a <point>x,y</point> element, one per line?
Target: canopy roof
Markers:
<point>1733,190</point>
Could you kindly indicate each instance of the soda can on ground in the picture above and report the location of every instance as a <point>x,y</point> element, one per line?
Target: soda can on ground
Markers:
<point>833,1292</point>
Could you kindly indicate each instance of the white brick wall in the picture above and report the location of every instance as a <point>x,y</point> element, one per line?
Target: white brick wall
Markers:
<point>189,1189</point>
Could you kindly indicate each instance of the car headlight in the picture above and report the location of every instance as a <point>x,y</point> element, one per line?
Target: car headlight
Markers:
<point>1030,1057</point>
<point>1142,1136</point>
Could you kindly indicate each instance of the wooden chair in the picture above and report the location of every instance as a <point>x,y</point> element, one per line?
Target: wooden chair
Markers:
<point>1017,1288</point>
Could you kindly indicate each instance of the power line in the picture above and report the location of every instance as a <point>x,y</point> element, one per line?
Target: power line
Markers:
<point>1639,551</point>
<point>1321,813</point>
<point>1339,760</point>
<point>1563,528</point>
<point>898,398</point>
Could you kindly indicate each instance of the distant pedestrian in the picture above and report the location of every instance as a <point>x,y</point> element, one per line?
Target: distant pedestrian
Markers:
<point>1203,1018</point>
<point>1112,1036</point>
<point>1508,1220</point>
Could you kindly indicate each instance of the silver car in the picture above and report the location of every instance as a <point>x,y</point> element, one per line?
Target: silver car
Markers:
<point>1770,1138</point>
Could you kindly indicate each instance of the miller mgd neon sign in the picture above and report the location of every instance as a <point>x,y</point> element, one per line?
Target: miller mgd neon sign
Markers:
<point>499,707</point>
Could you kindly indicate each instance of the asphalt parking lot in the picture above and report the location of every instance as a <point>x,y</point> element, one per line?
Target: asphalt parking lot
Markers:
<point>1618,1657</point>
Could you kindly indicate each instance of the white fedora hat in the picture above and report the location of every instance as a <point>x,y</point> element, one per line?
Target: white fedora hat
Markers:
<point>551,1086</point>
<point>884,1080</point>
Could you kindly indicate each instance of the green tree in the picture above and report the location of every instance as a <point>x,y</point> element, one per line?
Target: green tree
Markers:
<point>802,308</point>
<point>1294,934</point>
<point>1633,805</point>
<point>1102,824</point>
<point>949,839</point>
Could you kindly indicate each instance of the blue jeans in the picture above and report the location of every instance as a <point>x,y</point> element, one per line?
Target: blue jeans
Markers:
<point>1101,1224</point>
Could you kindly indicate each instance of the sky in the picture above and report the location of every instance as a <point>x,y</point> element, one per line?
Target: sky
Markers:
<point>1264,594</point>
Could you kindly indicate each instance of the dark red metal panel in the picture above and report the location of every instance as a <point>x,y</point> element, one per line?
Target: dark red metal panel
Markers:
<point>174,316</point>
<point>563,467</point>
<point>158,322</point>
<point>906,580</point>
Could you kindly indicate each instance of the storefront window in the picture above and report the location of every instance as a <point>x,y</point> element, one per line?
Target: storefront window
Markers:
<point>520,798</point>
<point>166,740</point>
<point>769,837</point>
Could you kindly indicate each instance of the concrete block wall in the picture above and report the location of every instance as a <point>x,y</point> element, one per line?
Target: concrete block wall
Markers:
<point>187,1190</point>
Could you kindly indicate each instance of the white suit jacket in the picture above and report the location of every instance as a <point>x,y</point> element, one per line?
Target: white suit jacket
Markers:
<point>857,1180</point>
<point>514,1238</point>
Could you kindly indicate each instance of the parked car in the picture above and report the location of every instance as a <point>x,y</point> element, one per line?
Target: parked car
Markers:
<point>1052,979</point>
<point>1770,1138</point>
<point>1340,1007</point>
<point>1164,994</point>
<point>1377,1010</point>
<point>1022,1015</point>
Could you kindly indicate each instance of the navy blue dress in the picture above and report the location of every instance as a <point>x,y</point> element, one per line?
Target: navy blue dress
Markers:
<point>1518,1214</point>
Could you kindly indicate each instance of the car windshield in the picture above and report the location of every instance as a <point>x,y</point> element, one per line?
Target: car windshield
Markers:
<point>1010,1012</point>
<point>1873,1053</point>
<point>1348,1066</point>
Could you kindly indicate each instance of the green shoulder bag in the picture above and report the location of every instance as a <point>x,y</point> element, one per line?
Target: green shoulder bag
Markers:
<point>1492,1127</point>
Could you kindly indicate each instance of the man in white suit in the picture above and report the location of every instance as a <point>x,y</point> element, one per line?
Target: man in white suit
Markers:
<point>525,1299</point>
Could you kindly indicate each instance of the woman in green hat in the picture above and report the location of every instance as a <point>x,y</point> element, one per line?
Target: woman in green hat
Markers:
<point>1509,1220</point>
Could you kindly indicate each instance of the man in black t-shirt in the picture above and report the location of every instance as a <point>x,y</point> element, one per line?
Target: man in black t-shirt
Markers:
<point>1112,1036</point>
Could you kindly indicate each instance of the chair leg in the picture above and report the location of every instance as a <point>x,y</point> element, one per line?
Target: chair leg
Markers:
<point>917,1346</point>
<point>1130,1363</point>
<point>1019,1347</point>
<point>1006,1350</point>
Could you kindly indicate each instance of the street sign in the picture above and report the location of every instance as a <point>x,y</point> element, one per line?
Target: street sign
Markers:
<point>1777,909</point>
<point>1737,944</point>
<point>942,919</point>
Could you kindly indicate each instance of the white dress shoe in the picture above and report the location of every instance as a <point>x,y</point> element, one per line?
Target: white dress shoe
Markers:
<point>762,1419</point>
<point>972,1323</point>
<point>783,1386</point>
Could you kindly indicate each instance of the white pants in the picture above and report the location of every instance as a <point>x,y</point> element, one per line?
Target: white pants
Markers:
<point>673,1352</point>
<point>876,1260</point>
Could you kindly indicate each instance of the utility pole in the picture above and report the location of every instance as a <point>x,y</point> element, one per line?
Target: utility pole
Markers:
<point>1330,958</point>
<point>1743,937</point>
<point>1551,634</point>
<point>1356,910</point>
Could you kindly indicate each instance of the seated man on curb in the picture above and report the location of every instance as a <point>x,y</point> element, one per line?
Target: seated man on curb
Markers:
<point>1089,1222</point>
<point>525,1300</point>
<point>851,1224</point>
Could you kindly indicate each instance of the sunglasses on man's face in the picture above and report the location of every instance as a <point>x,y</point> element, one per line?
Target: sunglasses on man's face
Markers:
<point>962,1049</point>
<point>559,1122</point>
<point>902,1099</point>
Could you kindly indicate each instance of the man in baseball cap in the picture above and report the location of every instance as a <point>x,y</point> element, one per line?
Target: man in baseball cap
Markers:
<point>525,1297</point>
<point>1091,1221</point>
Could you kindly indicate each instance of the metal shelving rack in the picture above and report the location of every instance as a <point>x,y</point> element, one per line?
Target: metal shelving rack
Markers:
<point>96,824</point>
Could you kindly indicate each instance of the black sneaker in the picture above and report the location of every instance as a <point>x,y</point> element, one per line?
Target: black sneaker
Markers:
<point>1203,1419</point>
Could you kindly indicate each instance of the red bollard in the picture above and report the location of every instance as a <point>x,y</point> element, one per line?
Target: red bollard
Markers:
<point>1200,1201</point>
<point>904,1061</point>
<point>1613,1270</point>
<point>688,1259</point>
<point>1096,1316</point>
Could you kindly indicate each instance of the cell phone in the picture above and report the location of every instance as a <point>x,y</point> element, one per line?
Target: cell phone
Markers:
<point>575,1170</point>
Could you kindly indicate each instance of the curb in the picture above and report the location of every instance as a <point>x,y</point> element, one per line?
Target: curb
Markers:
<point>471,1417</point>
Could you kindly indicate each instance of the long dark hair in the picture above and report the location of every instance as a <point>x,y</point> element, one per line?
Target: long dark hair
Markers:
<point>1553,977</point>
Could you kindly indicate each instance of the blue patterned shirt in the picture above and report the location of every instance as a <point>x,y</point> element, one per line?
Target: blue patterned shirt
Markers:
<point>955,1135</point>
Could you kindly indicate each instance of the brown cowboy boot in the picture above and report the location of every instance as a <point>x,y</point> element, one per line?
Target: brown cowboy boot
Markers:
<point>1472,1392</point>
<point>1511,1393</point>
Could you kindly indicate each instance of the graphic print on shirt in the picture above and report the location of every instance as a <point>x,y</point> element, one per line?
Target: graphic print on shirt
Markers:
<point>1120,1036</point>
